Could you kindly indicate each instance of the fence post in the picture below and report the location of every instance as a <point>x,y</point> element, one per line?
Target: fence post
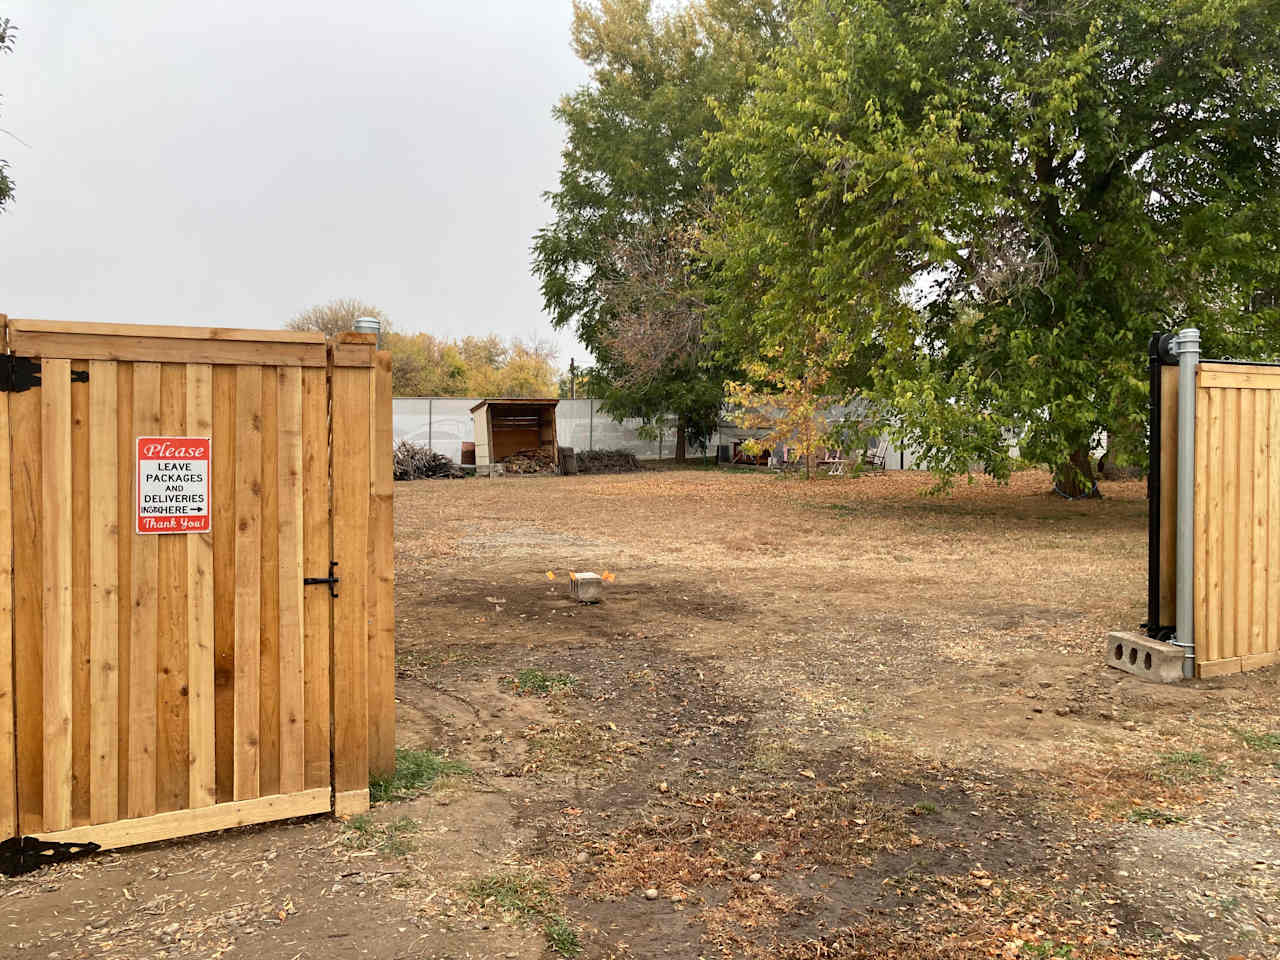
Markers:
<point>351,377</point>
<point>1188,346</point>
<point>382,642</point>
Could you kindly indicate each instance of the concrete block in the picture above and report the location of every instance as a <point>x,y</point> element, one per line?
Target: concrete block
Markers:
<point>1143,657</point>
<point>587,587</point>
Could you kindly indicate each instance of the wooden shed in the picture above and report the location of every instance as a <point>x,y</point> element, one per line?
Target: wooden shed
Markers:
<point>504,427</point>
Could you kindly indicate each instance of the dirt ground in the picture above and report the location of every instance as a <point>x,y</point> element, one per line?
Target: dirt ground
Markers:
<point>833,719</point>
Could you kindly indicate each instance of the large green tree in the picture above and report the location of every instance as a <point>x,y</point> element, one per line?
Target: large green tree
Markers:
<point>992,203</point>
<point>615,264</point>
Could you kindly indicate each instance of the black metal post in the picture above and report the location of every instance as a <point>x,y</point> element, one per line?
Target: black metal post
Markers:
<point>1155,364</point>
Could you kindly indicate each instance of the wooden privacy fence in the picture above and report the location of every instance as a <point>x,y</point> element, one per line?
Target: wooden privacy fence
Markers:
<point>1236,577</point>
<point>201,676</point>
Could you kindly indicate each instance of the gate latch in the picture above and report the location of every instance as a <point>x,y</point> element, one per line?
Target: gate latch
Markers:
<point>19,855</point>
<point>331,580</point>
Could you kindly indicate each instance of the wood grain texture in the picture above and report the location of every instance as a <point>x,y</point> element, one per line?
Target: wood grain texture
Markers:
<point>1211,643</point>
<point>182,823</point>
<point>1243,578</point>
<point>202,782</point>
<point>57,566</point>
<point>1219,668</point>
<point>1240,379</point>
<point>104,606</point>
<point>143,639</point>
<point>172,720</point>
<point>269,593</point>
<point>1271,642</point>
<point>1257,520</point>
<point>20,326</point>
<point>8,751</point>
<point>224,579</point>
<point>81,574</point>
<point>289,563</point>
<point>382,650</point>
<point>28,605</point>
<point>317,548</point>
<point>350,437</point>
<point>157,349</point>
<point>1202,468</point>
<point>248,579</point>
<point>124,572</point>
<point>1230,531</point>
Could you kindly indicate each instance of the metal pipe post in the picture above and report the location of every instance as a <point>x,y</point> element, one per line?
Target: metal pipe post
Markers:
<point>1188,349</point>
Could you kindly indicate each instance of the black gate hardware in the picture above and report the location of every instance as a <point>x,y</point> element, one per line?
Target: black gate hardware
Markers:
<point>19,855</point>
<point>18,374</point>
<point>331,580</point>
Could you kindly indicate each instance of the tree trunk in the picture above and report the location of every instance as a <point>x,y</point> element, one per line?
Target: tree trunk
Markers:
<point>682,450</point>
<point>1075,478</point>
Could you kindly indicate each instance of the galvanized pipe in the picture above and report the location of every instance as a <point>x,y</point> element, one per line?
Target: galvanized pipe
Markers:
<point>369,325</point>
<point>1187,345</point>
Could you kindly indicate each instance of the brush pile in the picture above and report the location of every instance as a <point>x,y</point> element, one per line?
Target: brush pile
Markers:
<point>413,461</point>
<point>530,461</point>
<point>607,461</point>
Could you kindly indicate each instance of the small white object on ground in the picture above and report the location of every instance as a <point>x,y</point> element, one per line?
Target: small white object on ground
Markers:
<point>587,587</point>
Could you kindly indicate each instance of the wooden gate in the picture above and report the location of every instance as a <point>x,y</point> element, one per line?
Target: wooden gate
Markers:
<point>1237,517</point>
<point>158,685</point>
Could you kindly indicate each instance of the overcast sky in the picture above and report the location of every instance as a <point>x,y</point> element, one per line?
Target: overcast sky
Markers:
<point>229,163</point>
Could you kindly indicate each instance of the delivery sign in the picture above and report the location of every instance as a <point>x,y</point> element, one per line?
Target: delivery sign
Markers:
<point>173,484</point>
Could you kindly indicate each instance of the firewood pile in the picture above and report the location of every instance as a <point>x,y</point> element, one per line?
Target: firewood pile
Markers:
<point>413,461</point>
<point>607,461</point>
<point>530,461</point>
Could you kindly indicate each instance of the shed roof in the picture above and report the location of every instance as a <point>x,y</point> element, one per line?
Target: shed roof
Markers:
<point>515,401</point>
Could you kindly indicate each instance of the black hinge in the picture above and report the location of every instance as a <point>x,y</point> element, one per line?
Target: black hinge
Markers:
<point>19,855</point>
<point>22,373</point>
<point>18,374</point>
<point>331,580</point>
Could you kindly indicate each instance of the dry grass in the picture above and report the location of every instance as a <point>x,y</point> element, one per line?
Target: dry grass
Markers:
<point>857,690</point>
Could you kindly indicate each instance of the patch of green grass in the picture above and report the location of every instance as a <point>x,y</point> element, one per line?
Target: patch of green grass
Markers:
<point>924,807</point>
<point>562,937</point>
<point>535,681</point>
<point>416,770</point>
<point>516,893</point>
<point>528,898</point>
<point>1048,950</point>
<point>362,833</point>
<point>1153,815</point>
<point>1260,741</point>
<point>1186,766</point>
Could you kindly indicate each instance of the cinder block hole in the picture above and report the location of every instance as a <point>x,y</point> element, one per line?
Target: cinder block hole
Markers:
<point>1119,651</point>
<point>1146,661</point>
<point>1133,655</point>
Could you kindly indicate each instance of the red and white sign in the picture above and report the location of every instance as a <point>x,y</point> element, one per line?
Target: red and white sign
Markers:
<point>173,484</point>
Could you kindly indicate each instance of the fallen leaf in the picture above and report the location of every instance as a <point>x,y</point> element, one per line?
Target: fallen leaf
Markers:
<point>808,773</point>
<point>550,575</point>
